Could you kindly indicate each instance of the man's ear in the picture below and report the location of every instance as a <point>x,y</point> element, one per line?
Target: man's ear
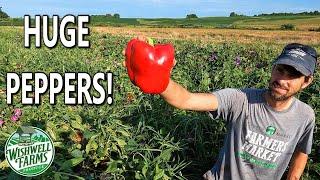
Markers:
<point>307,81</point>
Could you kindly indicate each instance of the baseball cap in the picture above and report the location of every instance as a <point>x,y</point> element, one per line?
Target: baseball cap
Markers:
<point>302,57</point>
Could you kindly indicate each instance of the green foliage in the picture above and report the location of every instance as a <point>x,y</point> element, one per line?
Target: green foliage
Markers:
<point>287,27</point>
<point>233,14</point>
<point>191,16</point>
<point>116,15</point>
<point>109,15</point>
<point>140,136</point>
<point>3,14</point>
<point>312,13</point>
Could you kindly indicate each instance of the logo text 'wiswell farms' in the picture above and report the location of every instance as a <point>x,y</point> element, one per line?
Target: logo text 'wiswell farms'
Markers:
<point>29,151</point>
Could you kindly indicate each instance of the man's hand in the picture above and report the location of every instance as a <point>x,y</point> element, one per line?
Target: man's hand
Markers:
<point>142,38</point>
<point>297,165</point>
<point>149,66</point>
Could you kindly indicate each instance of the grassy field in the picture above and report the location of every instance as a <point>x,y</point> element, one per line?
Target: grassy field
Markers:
<point>301,22</point>
<point>139,136</point>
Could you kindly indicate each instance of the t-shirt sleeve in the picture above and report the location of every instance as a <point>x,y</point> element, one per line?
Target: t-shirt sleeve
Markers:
<point>305,142</point>
<point>230,104</point>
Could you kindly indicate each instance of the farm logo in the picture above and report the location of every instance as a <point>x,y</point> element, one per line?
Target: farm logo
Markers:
<point>29,151</point>
<point>270,130</point>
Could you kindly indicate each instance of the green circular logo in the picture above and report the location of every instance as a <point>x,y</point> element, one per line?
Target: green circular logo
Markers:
<point>29,151</point>
<point>270,130</point>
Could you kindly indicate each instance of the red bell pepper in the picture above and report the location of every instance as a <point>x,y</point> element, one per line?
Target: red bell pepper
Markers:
<point>148,66</point>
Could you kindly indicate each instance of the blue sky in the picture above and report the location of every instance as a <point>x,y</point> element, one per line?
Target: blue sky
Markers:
<point>155,8</point>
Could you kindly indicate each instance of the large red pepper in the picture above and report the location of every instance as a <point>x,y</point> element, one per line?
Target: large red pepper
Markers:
<point>148,66</point>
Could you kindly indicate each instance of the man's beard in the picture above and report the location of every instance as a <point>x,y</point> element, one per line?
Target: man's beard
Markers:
<point>277,97</point>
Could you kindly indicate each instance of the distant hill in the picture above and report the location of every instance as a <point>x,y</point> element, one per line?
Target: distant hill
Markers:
<point>267,22</point>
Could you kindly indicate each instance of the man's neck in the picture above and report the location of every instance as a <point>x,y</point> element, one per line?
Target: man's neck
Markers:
<point>277,105</point>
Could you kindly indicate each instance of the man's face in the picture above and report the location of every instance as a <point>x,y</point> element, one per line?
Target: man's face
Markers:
<point>285,82</point>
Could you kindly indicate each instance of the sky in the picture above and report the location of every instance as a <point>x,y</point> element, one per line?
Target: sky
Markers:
<point>155,8</point>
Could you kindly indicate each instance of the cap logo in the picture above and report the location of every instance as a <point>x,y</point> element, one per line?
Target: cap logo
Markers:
<point>298,53</point>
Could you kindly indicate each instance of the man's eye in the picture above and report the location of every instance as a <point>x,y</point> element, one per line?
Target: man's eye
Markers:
<point>294,75</point>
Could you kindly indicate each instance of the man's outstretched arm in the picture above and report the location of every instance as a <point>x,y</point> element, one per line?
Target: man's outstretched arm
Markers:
<point>181,98</point>
<point>297,165</point>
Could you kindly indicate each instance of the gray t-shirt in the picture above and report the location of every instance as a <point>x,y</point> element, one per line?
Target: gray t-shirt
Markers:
<point>260,141</point>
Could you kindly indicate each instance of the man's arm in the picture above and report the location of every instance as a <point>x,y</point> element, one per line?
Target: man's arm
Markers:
<point>297,165</point>
<point>181,98</point>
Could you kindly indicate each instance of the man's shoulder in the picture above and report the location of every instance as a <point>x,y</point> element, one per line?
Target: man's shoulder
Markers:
<point>305,109</point>
<point>252,90</point>
<point>242,90</point>
<point>241,95</point>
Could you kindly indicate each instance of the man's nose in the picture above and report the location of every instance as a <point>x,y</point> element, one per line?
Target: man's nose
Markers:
<point>282,82</point>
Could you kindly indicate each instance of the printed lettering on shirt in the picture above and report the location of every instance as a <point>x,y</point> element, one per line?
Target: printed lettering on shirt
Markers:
<point>262,150</point>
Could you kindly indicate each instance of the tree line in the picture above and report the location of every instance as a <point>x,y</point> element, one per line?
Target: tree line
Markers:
<point>290,14</point>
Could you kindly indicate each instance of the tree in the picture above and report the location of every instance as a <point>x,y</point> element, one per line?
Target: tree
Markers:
<point>191,16</point>
<point>116,15</point>
<point>3,14</point>
<point>291,14</point>
<point>109,15</point>
<point>233,14</point>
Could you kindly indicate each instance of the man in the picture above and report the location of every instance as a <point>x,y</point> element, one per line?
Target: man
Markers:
<point>266,127</point>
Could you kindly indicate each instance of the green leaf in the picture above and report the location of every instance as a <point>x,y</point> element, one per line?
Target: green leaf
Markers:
<point>137,175</point>
<point>121,142</point>
<point>75,124</point>
<point>4,164</point>
<point>88,134</point>
<point>92,144</point>
<point>165,155</point>
<point>124,133</point>
<point>159,173</point>
<point>113,166</point>
<point>145,169</point>
<point>57,176</point>
<point>66,117</point>
<point>71,163</point>
<point>77,153</point>
<point>59,144</point>
<point>52,134</point>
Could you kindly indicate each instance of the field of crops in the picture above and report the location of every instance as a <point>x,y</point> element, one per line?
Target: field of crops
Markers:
<point>139,136</point>
<point>204,35</point>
